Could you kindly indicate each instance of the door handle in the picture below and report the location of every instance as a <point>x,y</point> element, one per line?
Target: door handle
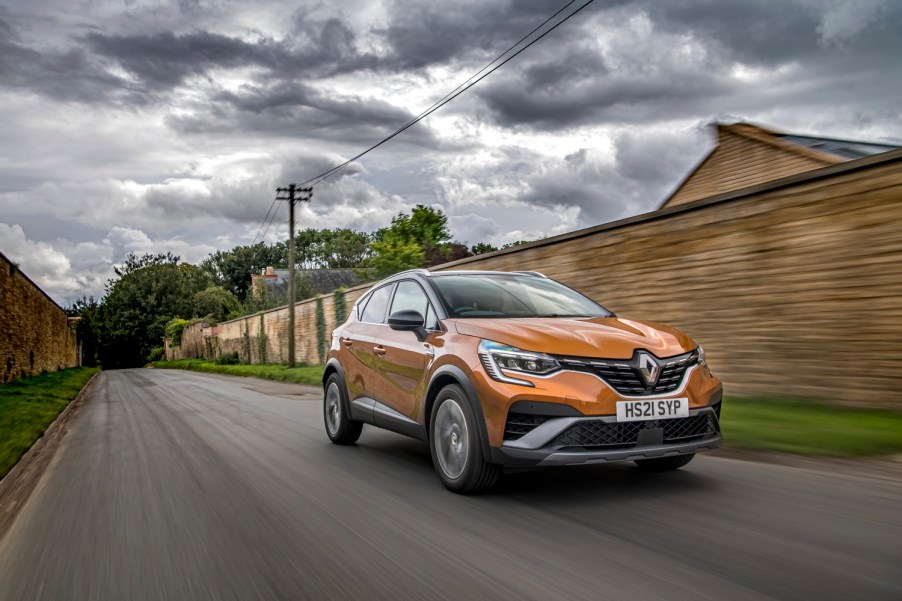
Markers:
<point>379,350</point>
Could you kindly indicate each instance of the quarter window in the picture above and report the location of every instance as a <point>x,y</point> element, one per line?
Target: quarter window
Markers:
<point>431,321</point>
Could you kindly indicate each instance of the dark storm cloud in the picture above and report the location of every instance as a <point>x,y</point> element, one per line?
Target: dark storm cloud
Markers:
<point>576,64</point>
<point>164,60</point>
<point>561,86</point>
<point>571,103</point>
<point>70,74</point>
<point>419,35</point>
<point>293,110</point>
<point>766,33</point>
<point>646,167</point>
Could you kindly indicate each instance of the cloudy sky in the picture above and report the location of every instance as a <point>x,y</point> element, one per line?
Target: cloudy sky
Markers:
<point>155,125</point>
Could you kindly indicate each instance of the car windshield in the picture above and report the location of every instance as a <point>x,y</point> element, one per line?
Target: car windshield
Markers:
<point>512,295</point>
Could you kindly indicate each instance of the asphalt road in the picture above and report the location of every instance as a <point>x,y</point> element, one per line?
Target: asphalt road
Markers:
<point>176,485</point>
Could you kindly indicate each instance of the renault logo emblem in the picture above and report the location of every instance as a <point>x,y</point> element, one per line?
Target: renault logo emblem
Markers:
<point>649,369</point>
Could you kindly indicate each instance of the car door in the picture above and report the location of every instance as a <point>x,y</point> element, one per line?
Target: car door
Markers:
<point>402,359</point>
<point>357,341</point>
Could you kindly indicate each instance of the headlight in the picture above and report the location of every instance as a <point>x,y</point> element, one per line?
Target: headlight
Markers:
<point>498,358</point>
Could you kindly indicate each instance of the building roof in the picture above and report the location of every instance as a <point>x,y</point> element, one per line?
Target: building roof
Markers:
<point>846,149</point>
<point>323,281</point>
<point>747,154</point>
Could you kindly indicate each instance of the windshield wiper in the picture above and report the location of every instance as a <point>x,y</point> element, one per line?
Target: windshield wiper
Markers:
<point>562,315</point>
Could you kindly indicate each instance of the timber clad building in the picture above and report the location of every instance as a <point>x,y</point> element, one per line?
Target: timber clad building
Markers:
<point>747,155</point>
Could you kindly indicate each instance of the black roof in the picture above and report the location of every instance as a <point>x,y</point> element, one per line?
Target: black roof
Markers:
<point>846,149</point>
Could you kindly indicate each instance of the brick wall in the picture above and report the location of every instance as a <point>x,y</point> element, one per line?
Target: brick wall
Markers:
<point>34,331</point>
<point>793,287</point>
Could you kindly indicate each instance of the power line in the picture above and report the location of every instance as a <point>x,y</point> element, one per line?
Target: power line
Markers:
<point>271,219</point>
<point>457,92</point>
<point>264,221</point>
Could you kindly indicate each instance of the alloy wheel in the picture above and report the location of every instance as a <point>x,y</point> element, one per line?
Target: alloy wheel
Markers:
<point>333,408</point>
<point>451,439</point>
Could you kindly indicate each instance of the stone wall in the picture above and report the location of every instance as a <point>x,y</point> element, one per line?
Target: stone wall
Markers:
<point>35,335</point>
<point>794,287</point>
<point>263,337</point>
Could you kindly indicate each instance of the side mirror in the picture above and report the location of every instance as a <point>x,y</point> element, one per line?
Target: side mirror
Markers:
<point>408,321</point>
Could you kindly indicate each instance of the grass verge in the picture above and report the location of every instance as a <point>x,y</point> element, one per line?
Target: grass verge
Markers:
<point>312,375</point>
<point>806,428</point>
<point>29,405</point>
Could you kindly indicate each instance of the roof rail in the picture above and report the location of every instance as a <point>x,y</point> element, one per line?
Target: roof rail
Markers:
<point>535,273</point>
<point>420,271</point>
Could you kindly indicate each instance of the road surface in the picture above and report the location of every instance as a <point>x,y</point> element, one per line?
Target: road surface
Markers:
<point>177,485</point>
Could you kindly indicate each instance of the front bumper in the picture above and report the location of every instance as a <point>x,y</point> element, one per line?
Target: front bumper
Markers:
<point>542,446</point>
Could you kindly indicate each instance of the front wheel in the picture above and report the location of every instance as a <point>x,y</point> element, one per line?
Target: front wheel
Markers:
<point>664,464</point>
<point>455,446</point>
<point>339,426</point>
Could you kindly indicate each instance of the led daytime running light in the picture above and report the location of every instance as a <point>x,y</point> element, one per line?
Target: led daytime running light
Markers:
<point>499,358</point>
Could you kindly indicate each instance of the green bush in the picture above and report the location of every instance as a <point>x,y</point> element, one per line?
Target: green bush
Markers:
<point>228,359</point>
<point>156,353</point>
<point>174,329</point>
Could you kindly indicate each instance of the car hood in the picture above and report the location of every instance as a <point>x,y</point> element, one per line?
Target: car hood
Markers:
<point>599,337</point>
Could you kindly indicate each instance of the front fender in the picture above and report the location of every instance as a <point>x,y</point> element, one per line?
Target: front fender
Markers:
<point>452,374</point>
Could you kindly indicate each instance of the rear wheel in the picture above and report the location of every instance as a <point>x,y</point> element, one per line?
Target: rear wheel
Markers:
<point>455,446</point>
<point>339,425</point>
<point>664,464</point>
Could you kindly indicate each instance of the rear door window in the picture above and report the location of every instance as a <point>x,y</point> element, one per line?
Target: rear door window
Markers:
<point>409,297</point>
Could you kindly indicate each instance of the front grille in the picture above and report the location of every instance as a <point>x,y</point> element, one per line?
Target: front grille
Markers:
<point>625,376</point>
<point>519,424</point>
<point>592,434</point>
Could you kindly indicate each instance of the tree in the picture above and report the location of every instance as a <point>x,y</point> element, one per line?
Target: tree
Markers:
<point>215,302</point>
<point>232,269</point>
<point>443,253</point>
<point>394,255</point>
<point>87,329</point>
<point>340,248</point>
<point>513,244</point>
<point>416,240</point>
<point>482,248</point>
<point>149,292</point>
<point>425,226</point>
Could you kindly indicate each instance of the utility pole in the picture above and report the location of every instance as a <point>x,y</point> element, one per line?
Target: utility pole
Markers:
<point>293,195</point>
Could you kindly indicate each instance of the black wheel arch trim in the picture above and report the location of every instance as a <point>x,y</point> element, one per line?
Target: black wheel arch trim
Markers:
<point>333,364</point>
<point>461,378</point>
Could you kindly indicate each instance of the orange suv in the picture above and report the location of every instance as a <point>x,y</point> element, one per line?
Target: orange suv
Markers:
<point>497,369</point>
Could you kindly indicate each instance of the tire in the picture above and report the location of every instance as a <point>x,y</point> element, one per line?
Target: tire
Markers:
<point>455,445</point>
<point>664,464</point>
<point>340,428</point>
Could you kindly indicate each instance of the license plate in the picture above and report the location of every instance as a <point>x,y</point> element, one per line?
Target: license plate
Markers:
<point>637,411</point>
